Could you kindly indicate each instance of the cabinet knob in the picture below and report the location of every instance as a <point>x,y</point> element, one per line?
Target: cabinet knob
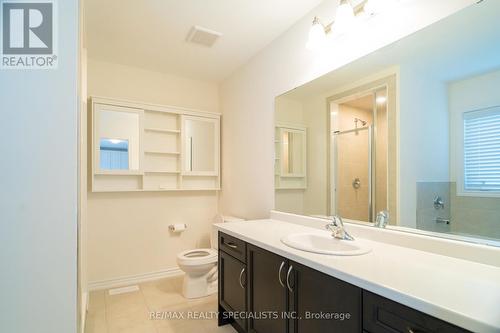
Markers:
<point>279,274</point>
<point>288,278</point>
<point>241,275</point>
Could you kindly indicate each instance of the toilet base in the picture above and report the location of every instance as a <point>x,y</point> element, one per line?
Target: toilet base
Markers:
<point>198,286</point>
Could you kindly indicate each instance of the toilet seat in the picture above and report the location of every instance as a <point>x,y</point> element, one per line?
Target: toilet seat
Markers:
<point>197,257</point>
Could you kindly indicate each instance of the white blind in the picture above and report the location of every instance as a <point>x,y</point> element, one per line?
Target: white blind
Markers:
<point>482,150</point>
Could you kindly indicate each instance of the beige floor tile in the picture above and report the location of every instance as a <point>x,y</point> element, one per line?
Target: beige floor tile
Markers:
<point>96,322</point>
<point>161,293</point>
<point>123,305</point>
<point>170,315</point>
<point>182,326</point>
<point>131,322</point>
<point>212,299</point>
<point>96,301</point>
<point>210,326</point>
<point>132,312</point>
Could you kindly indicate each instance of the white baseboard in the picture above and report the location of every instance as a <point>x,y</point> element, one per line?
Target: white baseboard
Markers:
<point>134,279</point>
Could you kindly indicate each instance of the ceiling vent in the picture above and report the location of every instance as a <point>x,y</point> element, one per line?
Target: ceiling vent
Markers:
<point>202,36</point>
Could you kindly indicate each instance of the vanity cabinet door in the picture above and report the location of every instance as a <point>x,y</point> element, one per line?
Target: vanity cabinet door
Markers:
<point>232,286</point>
<point>381,315</point>
<point>267,293</point>
<point>322,303</point>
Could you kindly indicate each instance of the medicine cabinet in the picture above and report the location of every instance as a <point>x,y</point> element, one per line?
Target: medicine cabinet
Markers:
<point>146,147</point>
<point>290,157</point>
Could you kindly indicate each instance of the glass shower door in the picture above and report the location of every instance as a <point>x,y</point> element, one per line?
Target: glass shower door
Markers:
<point>351,170</point>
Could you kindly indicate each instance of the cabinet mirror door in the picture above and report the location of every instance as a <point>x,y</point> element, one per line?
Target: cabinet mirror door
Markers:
<point>293,147</point>
<point>200,146</point>
<point>117,140</point>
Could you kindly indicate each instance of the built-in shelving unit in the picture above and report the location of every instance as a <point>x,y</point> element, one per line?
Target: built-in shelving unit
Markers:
<point>161,152</point>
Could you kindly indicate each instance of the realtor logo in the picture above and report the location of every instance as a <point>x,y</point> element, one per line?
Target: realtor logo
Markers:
<point>28,34</point>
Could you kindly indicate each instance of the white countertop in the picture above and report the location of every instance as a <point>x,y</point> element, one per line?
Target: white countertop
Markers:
<point>461,292</point>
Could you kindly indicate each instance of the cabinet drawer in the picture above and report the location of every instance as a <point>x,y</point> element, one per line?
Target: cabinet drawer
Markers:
<point>381,315</point>
<point>232,246</point>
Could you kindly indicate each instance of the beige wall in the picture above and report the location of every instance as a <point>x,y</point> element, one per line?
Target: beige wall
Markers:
<point>247,97</point>
<point>128,232</point>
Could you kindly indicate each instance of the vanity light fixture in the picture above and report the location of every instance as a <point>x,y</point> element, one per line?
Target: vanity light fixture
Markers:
<point>344,20</point>
<point>373,7</point>
<point>317,34</point>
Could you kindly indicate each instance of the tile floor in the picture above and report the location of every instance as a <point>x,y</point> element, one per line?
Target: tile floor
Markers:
<point>130,312</point>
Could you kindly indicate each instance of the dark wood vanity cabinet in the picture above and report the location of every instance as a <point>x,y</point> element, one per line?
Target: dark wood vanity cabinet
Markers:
<point>381,315</point>
<point>278,295</point>
<point>267,292</point>
<point>233,282</point>
<point>288,297</point>
<point>324,303</point>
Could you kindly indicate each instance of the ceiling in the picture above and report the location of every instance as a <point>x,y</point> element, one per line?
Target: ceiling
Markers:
<point>151,34</point>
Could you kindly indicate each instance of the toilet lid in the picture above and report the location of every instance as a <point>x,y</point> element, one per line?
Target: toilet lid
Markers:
<point>198,256</point>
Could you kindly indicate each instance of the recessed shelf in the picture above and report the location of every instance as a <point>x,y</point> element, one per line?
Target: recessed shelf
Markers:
<point>162,152</point>
<point>162,130</point>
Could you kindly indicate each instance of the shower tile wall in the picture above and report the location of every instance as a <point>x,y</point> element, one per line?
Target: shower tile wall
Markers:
<point>353,149</point>
<point>426,213</point>
<point>474,215</point>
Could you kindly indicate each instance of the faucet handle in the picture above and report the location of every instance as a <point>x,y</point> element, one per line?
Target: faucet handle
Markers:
<point>382,219</point>
<point>337,221</point>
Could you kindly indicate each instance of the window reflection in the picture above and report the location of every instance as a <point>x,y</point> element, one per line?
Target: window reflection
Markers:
<point>114,154</point>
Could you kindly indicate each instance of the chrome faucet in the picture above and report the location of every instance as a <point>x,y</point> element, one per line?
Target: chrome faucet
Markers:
<point>382,219</point>
<point>336,226</point>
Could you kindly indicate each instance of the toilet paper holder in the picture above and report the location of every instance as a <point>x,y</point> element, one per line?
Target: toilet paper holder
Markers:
<point>177,227</point>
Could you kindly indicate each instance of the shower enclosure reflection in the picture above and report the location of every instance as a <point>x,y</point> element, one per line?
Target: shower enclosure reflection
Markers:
<point>358,130</point>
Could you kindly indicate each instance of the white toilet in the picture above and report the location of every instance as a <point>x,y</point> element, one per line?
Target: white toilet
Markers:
<point>200,265</point>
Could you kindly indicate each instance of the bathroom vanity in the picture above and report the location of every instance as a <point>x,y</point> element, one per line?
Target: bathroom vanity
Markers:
<point>269,286</point>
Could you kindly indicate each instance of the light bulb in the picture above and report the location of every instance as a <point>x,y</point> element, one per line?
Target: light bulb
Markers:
<point>381,99</point>
<point>317,35</point>
<point>345,17</point>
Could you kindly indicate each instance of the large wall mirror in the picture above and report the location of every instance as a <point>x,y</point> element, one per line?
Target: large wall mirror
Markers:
<point>412,129</point>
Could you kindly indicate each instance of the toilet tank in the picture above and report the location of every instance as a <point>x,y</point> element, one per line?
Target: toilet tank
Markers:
<point>221,219</point>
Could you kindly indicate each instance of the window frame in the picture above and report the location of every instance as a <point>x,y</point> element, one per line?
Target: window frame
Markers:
<point>460,158</point>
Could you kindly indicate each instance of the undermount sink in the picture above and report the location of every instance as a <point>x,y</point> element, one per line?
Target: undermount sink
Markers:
<point>324,243</point>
